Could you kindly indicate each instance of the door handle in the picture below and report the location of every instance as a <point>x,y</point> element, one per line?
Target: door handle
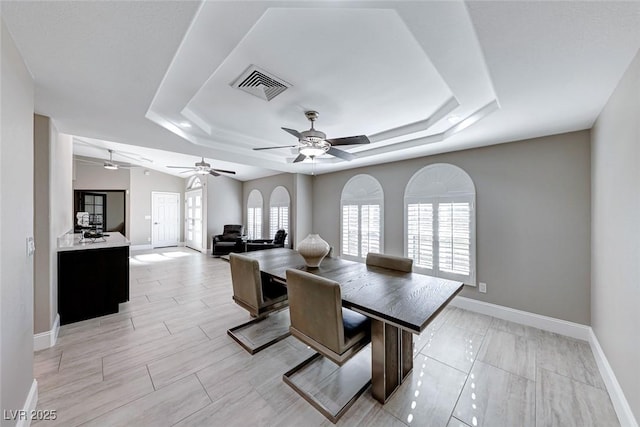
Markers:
<point>156,223</point>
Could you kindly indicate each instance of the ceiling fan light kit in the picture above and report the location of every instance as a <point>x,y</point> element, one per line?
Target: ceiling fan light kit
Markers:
<point>313,143</point>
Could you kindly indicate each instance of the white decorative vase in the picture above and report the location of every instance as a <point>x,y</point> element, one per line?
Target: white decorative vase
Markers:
<point>313,249</point>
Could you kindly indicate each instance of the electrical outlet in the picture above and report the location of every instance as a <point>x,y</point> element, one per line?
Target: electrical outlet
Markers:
<point>482,287</point>
<point>148,239</point>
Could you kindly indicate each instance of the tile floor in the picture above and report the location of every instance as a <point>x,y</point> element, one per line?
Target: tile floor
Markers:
<point>165,360</point>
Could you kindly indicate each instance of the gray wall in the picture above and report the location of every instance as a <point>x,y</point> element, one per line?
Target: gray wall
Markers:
<point>224,204</point>
<point>53,161</point>
<point>140,206</point>
<point>303,208</point>
<point>16,225</point>
<point>266,187</point>
<point>42,308</point>
<point>532,219</point>
<point>60,206</point>
<point>615,233</point>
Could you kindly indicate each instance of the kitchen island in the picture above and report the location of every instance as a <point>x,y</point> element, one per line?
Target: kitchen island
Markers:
<point>93,276</point>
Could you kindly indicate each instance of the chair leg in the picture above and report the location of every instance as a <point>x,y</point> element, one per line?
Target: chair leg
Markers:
<point>323,392</point>
<point>262,332</point>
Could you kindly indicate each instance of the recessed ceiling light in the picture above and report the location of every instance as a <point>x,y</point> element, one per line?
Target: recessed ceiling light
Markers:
<point>453,118</point>
<point>185,124</point>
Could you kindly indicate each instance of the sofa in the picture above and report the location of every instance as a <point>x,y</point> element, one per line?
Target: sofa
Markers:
<point>232,239</point>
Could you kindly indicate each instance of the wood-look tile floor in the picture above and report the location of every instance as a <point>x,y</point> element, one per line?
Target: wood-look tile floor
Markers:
<point>165,359</point>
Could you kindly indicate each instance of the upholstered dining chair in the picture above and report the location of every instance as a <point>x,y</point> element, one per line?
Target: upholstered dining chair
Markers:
<point>319,320</point>
<point>264,300</point>
<point>390,262</point>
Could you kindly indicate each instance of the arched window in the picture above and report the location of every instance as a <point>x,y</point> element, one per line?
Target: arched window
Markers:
<point>440,222</point>
<point>279,203</point>
<point>361,205</point>
<point>194,183</point>
<point>254,215</point>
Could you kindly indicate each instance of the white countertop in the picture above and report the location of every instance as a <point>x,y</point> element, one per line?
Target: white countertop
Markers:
<point>71,242</point>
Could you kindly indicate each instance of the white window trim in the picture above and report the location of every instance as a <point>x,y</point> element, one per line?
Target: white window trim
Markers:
<point>470,196</point>
<point>360,201</point>
<point>255,201</point>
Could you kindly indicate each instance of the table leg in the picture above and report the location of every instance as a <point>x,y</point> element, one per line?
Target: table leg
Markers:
<point>391,358</point>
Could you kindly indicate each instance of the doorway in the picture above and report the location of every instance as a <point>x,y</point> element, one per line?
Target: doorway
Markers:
<point>193,219</point>
<point>106,209</point>
<point>165,219</point>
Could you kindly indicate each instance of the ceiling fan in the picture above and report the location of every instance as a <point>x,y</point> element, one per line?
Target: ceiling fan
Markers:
<point>313,143</point>
<point>109,164</point>
<point>202,168</point>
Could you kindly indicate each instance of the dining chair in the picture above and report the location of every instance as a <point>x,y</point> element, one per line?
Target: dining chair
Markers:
<point>335,333</point>
<point>390,262</point>
<point>404,338</point>
<point>265,301</point>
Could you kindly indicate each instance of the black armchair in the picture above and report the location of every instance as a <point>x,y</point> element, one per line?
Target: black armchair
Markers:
<point>276,242</point>
<point>231,240</point>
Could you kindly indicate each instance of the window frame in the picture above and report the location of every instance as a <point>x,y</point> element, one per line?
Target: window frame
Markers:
<point>448,195</point>
<point>255,205</point>
<point>278,193</point>
<point>361,201</point>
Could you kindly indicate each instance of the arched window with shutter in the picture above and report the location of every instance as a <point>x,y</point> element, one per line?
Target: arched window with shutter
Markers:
<point>279,204</point>
<point>440,222</point>
<point>361,206</point>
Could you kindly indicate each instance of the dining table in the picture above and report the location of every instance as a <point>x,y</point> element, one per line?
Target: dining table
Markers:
<point>399,305</point>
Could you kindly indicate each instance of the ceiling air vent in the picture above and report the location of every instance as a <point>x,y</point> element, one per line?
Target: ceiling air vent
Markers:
<point>260,83</point>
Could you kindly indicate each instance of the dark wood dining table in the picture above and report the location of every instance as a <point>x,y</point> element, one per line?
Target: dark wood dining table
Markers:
<point>399,305</point>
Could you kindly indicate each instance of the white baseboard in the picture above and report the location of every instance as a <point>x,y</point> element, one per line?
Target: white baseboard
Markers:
<point>620,404</point>
<point>47,339</point>
<point>140,247</point>
<point>29,405</point>
<point>146,247</point>
<point>562,327</point>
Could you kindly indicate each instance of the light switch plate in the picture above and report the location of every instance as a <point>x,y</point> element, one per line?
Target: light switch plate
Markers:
<point>482,287</point>
<point>31,246</point>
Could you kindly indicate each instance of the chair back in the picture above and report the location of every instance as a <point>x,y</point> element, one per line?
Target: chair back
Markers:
<point>315,309</point>
<point>279,237</point>
<point>232,231</point>
<point>246,281</point>
<point>390,262</point>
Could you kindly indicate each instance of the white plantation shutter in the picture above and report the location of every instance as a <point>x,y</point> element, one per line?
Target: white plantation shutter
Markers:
<point>454,238</point>
<point>370,229</point>
<point>420,234</point>
<point>279,218</point>
<point>254,215</point>
<point>350,230</point>
<point>254,223</point>
<point>440,222</point>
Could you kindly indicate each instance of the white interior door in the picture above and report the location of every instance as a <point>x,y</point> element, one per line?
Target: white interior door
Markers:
<point>193,215</point>
<point>165,219</point>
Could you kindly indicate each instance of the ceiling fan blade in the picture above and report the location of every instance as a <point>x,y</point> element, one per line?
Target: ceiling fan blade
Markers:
<point>300,158</point>
<point>293,132</point>
<point>89,161</point>
<point>341,154</point>
<point>349,140</point>
<point>188,171</point>
<point>271,148</point>
<point>211,172</point>
<point>223,171</point>
<point>181,167</point>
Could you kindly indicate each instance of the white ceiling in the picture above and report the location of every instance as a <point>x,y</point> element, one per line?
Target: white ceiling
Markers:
<point>128,75</point>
